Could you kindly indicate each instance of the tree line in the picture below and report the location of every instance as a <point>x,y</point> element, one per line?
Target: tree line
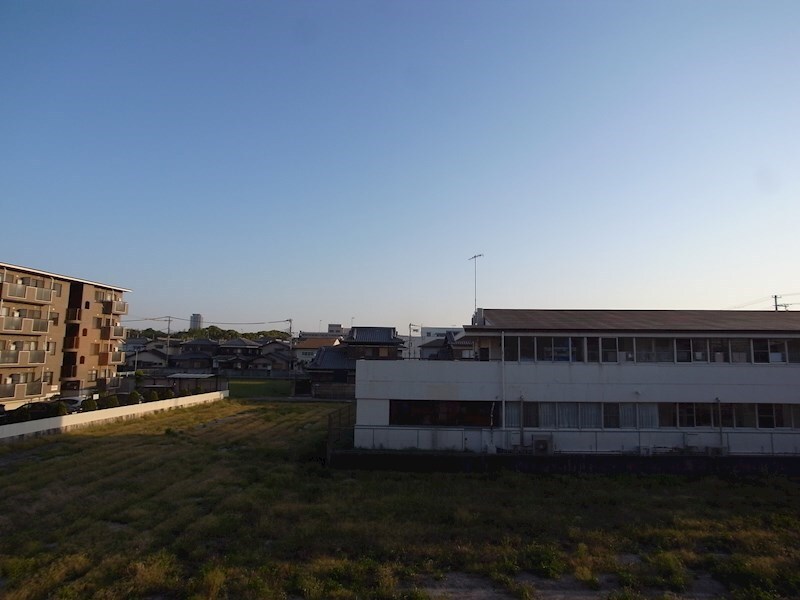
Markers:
<point>211,333</point>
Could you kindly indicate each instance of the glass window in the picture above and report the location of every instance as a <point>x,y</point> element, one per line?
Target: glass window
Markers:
<point>745,415</point>
<point>544,348</point>
<point>625,349</point>
<point>627,415</point>
<point>666,414</point>
<point>793,347</point>
<point>783,415</point>
<point>611,415</point>
<point>726,414</point>
<point>568,415</point>
<point>530,414</point>
<point>796,416</point>
<point>57,287</point>
<point>609,348</point>
<point>512,414</point>
<point>718,350</point>
<point>444,413</point>
<point>576,346</point>
<point>740,351</point>
<point>665,350</point>
<point>699,350</point>
<point>511,343</point>
<point>645,350</point>
<point>547,415</point>
<point>760,351</point>
<point>561,349</point>
<point>47,377</point>
<point>704,415</point>
<point>683,350</point>
<point>527,348</point>
<point>648,416</point>
<point>592,349</point>
<point>686,414</point>
<point>766,416</point>
<point>777,351</point>
<point>591,415</point>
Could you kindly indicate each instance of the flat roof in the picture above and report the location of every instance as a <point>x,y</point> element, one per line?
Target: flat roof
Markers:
<point>637,320</point>
<point>59,276</point>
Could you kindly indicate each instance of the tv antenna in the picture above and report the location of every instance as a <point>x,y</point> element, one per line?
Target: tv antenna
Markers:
<point>475,262</point>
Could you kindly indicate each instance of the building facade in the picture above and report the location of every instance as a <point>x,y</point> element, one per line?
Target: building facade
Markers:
<point>57,334</point>
<point>642,382</point>
<point>196,321</point>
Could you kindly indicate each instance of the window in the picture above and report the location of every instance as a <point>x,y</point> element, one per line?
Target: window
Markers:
<point>699,350</point>
<point>626,349</point>
<point>666,414</point>
<point>593,349</point>
<point>547,415</point>
<point>512,414</point>
<point>645,350</point>
<point>760,351</point>
<point>544,348</point>
<point>783,415</point>
<point>54,318</point>
<point>627,415</point>
<point>766,416</point>
<point>576,349</point>
<point>777,351</point>
<point>444,413</point>
<point>57,287</point>
<point>726,415</point>
<point>568,415</point>
<point>648,416</point>
<point>609,349</point>
<point>47,377</point>
<point>530,414</point>
<point>745,415</point>
<point>611,415</point>
<point>527,348</point>
<point>511,347</point>
<point>718,350</point>
<point>84,332</point>
<point>683,350</point>
<point>793,350</point>
<point>86,304</point>
<point>591,415</point>
<point>704,415</point>
<point>83,360</point>
<point>686,414</point>
<point>740,351</point>
<point>561,349</point>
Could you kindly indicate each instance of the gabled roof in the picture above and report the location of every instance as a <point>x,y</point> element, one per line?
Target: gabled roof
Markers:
<point>191,356</point>
<point>201,342</point>
<point>331,358</point>
<point>637,320</point>
<point>372,335</point>
<point>314,343</point>
<point>434,343</point>
<point>239,343</point>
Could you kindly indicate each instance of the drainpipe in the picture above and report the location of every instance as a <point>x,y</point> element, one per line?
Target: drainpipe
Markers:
<point>503,378</point>
<point>719,416</point>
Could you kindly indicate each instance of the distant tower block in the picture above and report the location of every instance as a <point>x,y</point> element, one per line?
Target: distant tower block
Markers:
<point>196,321</point>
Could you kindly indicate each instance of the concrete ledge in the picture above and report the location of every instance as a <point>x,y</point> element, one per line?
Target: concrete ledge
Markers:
<point>18,431</point>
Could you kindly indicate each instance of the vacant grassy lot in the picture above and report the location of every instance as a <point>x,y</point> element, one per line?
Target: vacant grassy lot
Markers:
<point>259,388</point>
<point>230,500</point>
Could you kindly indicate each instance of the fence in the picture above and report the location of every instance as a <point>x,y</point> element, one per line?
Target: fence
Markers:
<point>340,429</point>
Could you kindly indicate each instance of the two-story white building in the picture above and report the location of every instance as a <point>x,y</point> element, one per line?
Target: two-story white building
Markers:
<point>596,381</point>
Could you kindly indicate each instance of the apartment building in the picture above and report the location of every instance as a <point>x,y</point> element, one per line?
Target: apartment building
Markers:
<point>57,334</point>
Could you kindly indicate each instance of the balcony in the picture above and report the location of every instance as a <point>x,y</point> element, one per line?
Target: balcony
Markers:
<point>23,325</point>
<point>27,293</point>
<point>112,333</point>
<point>115,307</point>
<point>21,357</point>
<point>20,391</point>
<point>71,344</point>
<point>74,315</point>
<point>111,358</point>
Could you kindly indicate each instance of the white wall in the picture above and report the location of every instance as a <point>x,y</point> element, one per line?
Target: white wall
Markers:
<point>578,382</point>
<point>78,420</point>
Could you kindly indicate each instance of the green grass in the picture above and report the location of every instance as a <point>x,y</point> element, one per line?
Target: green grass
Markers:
<point>230,500</point>
<point>259,388</point>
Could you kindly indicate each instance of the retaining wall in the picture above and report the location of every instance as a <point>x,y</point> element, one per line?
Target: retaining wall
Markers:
<point>17,431</point>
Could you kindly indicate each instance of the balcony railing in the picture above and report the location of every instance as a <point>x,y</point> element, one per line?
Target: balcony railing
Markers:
<point>33,388</point>
<point>27,293</point>
<point>112,333</point>
<point>20,391</point>
<point>7,390</point>
<point>36,357</point>
<point>111,358</point>
<point>115,307</point>
<point>24,325</point>
<point>74,314</point>
<point>9,357</point>
<point>72,343</point>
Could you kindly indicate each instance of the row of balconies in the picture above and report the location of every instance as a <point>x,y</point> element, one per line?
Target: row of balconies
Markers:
<point>21,358</point>
<point>20,391</point>
<point>24,325</point>
<point>27,293</point>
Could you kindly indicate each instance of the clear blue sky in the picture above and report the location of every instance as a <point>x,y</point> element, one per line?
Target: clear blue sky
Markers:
<point>253,161</point>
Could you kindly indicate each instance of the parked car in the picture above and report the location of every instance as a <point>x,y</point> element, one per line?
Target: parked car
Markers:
<point>73,404</point>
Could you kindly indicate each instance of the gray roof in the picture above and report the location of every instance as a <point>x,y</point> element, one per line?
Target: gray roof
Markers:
<point>201,342</point>
<point>372,335</point>
<point>333,358</point>
<point>638,320</point>
<point>239,343</point>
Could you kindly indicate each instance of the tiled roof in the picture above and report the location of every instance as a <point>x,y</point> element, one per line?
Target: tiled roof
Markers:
<point>239,343</point>
<point>639,320</point>
<point>201,342</point>
<point>331,358</point>
<point>314,343</point>
<point>372,335</point>
<point>191,356</point>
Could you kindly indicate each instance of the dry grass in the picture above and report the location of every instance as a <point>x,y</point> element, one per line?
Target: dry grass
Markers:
<point>230,500</point>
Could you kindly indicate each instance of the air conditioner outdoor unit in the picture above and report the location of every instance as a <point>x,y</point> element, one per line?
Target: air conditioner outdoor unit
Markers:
<point>542,446</point>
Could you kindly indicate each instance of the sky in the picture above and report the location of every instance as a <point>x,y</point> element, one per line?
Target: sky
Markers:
<point>341,161</point>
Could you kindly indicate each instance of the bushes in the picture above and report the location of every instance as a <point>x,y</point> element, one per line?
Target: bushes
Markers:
<point>152,396</point>
<point>89,404</point>
<point>134,397</point>
<point>108,402</point>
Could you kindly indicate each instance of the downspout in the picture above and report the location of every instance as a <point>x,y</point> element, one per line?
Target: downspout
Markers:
<point>503,379</point>
<point>719,416</point>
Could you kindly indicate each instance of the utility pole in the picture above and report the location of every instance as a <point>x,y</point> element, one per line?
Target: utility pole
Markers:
<point>475,259</point>
<point>775,297</point>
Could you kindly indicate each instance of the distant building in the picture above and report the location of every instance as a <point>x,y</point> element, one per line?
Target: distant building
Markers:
<point>57,334</point>
<point>196,321</point>
<point>335,330</point>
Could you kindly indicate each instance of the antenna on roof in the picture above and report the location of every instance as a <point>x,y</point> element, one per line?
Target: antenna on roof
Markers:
<point>475,258</point>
